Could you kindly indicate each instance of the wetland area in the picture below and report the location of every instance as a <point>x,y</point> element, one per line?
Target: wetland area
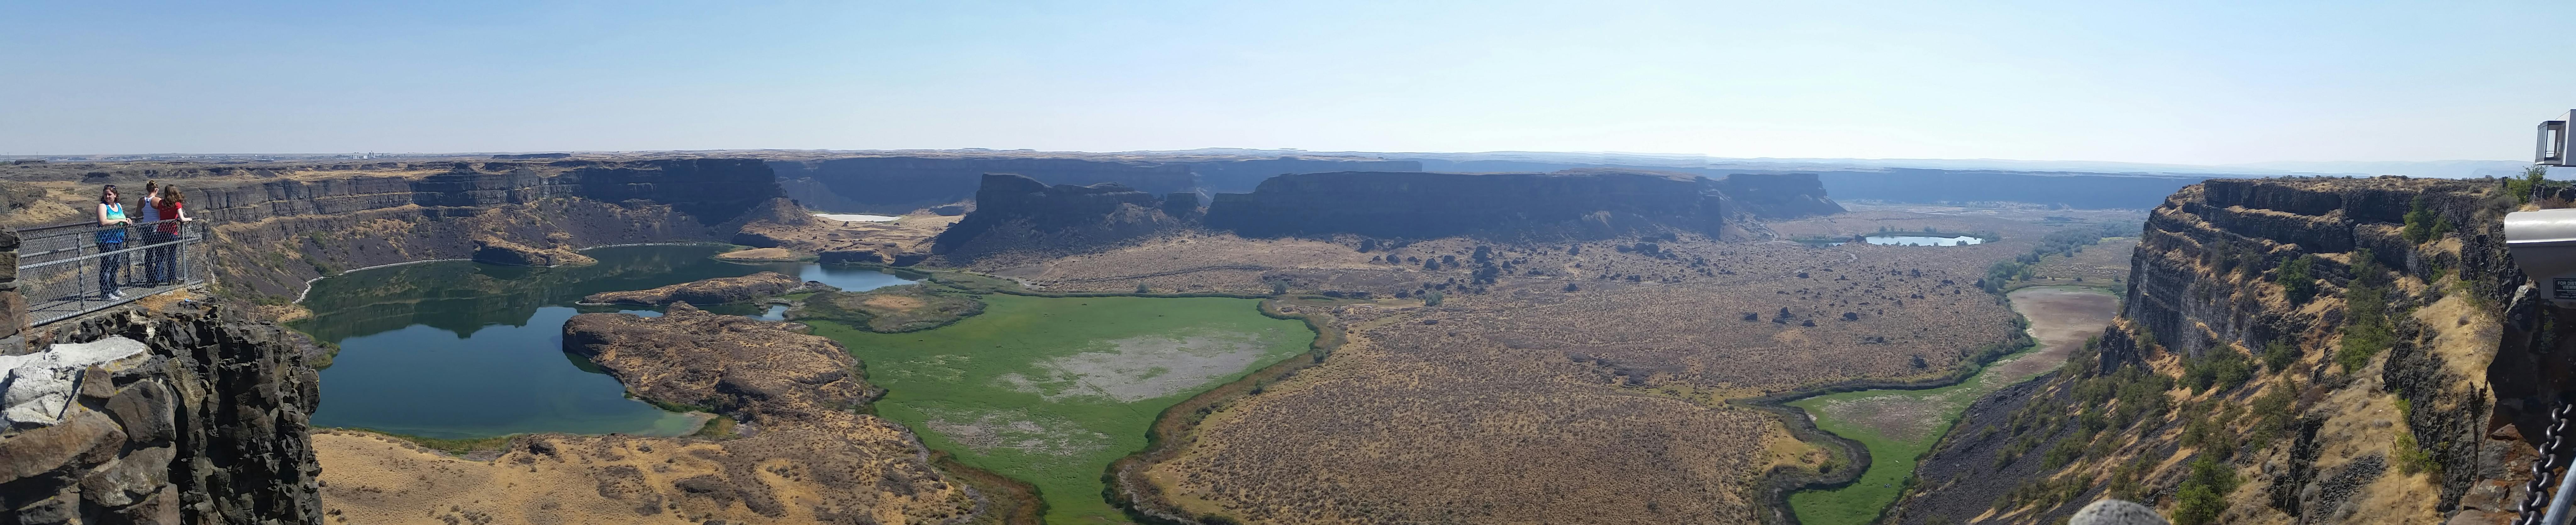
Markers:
<point>1899,426</point>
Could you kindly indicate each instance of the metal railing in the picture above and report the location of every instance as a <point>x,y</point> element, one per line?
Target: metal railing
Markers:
<point>65,271</point>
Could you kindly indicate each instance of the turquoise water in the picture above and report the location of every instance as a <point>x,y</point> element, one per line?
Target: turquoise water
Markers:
<point>457,349</point>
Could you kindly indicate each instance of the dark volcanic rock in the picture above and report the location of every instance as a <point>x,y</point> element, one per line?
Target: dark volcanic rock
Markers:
<point>1782,196</point>
<point>207,425</point>
<point>1587,203</point>
<point>709,291</point>
<point>1016,213</point>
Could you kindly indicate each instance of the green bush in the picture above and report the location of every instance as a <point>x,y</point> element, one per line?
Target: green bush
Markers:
<point>2279,354</point>
<point>2223,368</point>
<point>2203,496</point>
<point>2296,280</point>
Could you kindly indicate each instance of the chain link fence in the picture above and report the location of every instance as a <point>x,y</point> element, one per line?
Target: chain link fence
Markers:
<point>73,269</point>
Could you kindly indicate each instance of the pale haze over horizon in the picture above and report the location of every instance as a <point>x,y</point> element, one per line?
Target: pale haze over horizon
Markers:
<point>2160,82</point>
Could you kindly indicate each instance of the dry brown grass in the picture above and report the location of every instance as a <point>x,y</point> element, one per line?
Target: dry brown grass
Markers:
<point>1518,401</point>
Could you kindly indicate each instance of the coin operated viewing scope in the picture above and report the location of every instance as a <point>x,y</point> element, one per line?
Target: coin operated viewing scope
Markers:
<point>2543,242</point>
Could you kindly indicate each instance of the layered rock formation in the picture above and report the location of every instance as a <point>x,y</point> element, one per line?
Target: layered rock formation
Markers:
<point>278,225</point>
<point>2407,387</point>
<point>181,414</point>
<point>1014,213</point>
<point>709,291</point>
<point>1573,203</point>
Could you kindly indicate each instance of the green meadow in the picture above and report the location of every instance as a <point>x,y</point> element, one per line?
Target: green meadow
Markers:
<point>1051,390</point>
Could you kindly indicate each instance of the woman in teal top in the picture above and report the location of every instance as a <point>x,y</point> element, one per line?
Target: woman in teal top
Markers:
<point>111,237</point>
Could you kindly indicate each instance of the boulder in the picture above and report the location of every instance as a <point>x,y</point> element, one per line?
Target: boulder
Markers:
<point>506,253</point>
<point>42,384</point>
<point>710,291</point>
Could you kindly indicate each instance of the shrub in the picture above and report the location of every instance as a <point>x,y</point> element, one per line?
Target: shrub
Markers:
<point>2279,354</point>
<point>2296,281</point>
<point>2223,368</point>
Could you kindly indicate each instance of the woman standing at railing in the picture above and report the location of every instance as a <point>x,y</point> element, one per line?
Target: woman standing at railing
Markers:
<point>111,237</point>
<point>168,206</point>
<point>151,212</point>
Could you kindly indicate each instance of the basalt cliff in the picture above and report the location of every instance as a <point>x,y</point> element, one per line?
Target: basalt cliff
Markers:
<point>901,183</point>
<point>1568,204</point>
<point>2303,350</point>
<point>163,413</point>
<point>275,226</point>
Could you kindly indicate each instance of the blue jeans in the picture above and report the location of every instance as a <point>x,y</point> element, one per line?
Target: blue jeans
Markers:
<point>108,266</point>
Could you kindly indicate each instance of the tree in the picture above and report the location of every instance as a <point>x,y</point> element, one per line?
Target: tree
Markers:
<point>1570,287</point>
<point>2295,279</point>
<point>2532,178</point>
<point>1140,288</point>
<point>1279,288</point>
<point>2419,223</point>
<point>1367,244</point>
<point>1431,298</point>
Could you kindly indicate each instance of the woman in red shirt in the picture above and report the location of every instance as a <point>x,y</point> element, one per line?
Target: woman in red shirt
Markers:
<point>171,206</point>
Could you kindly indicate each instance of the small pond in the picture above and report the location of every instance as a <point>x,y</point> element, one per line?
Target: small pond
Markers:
<point>1923,240</point>
<point>456,349</point>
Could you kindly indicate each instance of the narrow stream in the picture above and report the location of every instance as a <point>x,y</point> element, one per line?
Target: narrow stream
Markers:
<point>1899,426</point>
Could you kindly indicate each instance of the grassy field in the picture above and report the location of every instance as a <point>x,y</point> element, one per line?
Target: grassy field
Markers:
<point>1051,390</point>
<point>1899,426</point>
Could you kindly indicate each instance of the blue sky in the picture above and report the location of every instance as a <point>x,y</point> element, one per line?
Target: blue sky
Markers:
<point>2173,82</point>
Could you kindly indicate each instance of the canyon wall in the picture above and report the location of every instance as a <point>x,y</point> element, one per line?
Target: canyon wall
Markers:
<point>277,227</point>
<point>1017,214</point>
<point>1243,175</point>
<point>2398,377</point>
<point>896,185</point>
<point>1573,203</point>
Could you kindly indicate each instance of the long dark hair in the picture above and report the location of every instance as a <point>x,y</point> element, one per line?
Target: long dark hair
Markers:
<point>104,192</point>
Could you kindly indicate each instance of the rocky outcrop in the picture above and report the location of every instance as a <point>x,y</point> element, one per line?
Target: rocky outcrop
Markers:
<point>896,185</point>
<point>1579,204</point>
<point>1019,214</point>
<point>2450,382</point>
<point>718,290</point>
<point>796,390</point>
<point>506,253</point>
<point>177,415</point>
<point>1780,196</point>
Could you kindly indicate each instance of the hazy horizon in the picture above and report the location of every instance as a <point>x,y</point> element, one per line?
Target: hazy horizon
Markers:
<point>2203,85</point>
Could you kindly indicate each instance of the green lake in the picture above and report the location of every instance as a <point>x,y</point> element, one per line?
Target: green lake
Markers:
<point>457,349</point>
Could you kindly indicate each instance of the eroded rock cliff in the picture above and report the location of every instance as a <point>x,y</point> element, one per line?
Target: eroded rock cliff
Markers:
<point>897,185</point>
<point>175,413</point>
<point>277,225</point>
<point>2304,350</point>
